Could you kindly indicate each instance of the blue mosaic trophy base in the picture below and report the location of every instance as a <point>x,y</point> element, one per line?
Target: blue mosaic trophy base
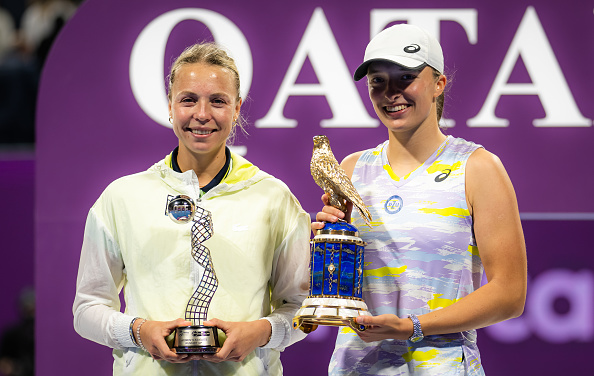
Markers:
<point>336,280</point>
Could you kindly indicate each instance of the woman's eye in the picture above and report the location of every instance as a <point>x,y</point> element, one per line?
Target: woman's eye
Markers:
<point>408,77</point>
<point>376,80</point>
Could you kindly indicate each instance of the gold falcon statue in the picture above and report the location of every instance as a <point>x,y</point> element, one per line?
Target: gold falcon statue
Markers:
<point>328,174</point>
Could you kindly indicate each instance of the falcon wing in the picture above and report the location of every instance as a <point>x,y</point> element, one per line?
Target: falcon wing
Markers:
<point>337,181</point>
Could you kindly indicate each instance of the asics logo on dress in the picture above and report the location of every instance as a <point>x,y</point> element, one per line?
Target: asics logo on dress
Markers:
<point>443,176</point>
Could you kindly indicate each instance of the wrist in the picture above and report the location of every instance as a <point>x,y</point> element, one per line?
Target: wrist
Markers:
<point>267,328</point>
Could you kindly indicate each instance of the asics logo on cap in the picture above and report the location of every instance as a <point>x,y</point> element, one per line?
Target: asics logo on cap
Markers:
<point>411,49</point>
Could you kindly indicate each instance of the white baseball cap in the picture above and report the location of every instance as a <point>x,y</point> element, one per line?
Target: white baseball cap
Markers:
<point>404,44</point>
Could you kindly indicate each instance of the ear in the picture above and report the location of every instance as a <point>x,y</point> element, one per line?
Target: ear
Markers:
<point>238,108</point>
<point>440,85</point>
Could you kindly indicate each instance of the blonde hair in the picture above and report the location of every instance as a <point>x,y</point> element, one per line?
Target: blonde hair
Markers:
<point>208,53</point>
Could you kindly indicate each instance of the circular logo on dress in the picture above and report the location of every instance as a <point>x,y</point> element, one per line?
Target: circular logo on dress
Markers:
<point>411,49</point>
<point>393,204</point>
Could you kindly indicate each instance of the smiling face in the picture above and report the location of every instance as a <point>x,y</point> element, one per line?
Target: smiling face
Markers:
<point>404,99</point>
<point>203,105</point>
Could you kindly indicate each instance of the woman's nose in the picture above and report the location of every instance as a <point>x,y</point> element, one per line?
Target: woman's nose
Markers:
<point>393,90</point>
<point>201,113</point>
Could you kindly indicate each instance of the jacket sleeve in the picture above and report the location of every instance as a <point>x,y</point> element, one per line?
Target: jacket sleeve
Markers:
<point>290,277</point>
<point>101,275</point>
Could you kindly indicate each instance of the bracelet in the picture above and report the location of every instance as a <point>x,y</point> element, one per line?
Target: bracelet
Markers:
<point>138,335</point>
<point>131,330</point>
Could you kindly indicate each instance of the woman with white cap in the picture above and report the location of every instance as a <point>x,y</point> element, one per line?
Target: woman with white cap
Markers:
<point>444,212</point>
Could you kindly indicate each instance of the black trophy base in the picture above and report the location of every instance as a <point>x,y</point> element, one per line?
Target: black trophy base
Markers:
<point>196,339</point>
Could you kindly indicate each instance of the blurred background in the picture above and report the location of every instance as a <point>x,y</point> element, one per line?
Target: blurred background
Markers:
<point>49,47</point>
<point>27,31</point>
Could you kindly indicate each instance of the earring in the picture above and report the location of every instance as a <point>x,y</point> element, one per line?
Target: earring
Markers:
<point>170,120</point>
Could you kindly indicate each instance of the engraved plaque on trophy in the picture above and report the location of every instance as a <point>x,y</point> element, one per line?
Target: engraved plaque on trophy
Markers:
<point>336,263</point>
<point>196,338</point>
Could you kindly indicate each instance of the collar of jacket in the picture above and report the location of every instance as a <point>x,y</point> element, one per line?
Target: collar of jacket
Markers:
<point>242,174</point>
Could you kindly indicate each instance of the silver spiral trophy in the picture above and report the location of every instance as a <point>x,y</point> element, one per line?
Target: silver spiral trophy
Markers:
<point>196,338</point>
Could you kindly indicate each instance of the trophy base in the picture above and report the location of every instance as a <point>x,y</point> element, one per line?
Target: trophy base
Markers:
<point>196,339</point>
<point>330,311</point>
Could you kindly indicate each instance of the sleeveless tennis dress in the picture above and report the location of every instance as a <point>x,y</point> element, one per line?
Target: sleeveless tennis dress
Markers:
<point>421,256</point>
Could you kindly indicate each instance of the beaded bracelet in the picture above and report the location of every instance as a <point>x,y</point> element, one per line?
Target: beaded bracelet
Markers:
<point>131,330</point>
<point>138,335</point>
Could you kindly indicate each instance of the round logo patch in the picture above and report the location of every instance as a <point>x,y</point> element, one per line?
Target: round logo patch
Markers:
<point>411,49</point>
<point>393,204</point>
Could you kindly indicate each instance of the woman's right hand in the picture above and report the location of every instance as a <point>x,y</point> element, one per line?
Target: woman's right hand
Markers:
<point>153,334</point>
<point>330,214</point>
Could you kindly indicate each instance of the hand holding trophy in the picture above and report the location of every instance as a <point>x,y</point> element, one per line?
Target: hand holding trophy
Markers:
<point>336,264</point>
<point>196,338</point>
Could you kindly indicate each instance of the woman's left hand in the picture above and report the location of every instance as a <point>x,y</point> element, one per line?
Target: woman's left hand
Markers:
<point>384,327</point>
<point>242,339</point>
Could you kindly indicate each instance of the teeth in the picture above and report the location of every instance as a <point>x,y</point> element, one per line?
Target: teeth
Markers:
<point>201,132</point>
<point>396,108</point>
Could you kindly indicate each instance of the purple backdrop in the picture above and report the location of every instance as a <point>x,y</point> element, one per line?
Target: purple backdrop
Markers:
<point>16,228</point>
<point>512,63</point>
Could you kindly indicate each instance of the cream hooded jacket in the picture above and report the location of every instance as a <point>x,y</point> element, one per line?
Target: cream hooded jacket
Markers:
<point>259,251</point>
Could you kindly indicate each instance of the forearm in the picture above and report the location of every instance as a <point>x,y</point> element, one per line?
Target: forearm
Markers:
<point>281,322</point>
<point>104,325</point>
<point>490,304</point>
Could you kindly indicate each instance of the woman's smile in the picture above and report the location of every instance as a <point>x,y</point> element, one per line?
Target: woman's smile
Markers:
<point>397,108</point>
<point>201,132</point>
